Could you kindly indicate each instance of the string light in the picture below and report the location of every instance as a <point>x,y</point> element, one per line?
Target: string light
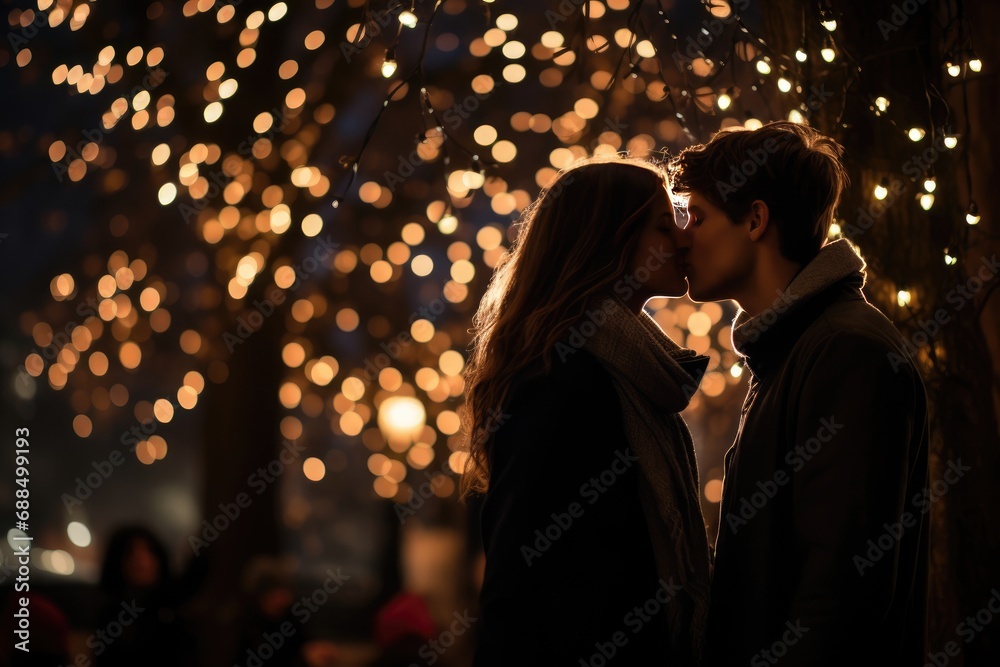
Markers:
<point>724,101</point>
<point>973,217</point>
<point>976,65</point>
<point>408,18</point>
<point>916,133</point>
<point>953,69</point>
<point>882,189</point>
<point>827,18</point>
<point>828,54</point>
<point>903,298</point>
<point>926,201</point>
<point>763,66</point>
<point>801,55</point>
<point>930,183</point>
<point>949,260</point>
<point>389,64</point>
<point>882,104</point>
<point>950,141</point>
<point>784,85</point>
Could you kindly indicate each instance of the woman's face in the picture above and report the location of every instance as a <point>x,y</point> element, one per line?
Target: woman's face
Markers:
<point>141,567</point>
<point>655,268</point>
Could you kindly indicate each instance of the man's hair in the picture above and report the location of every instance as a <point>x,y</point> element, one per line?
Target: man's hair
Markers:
<point>792,168</point>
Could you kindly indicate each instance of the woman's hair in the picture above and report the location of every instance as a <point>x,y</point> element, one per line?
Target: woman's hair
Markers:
<point>574,241</point>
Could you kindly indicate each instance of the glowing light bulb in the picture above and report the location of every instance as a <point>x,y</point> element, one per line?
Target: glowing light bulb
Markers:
<point>930,183</point>
<point>881,190</point>
<point>408,18</point>
<point>834,230</point>
<point>882,104</point>
<point>949,259</point>
<point>976,65</point>
<point>916,133</point>
<point>973,217</point>
<point>796,116</point>
<point>828,54</point>
<point>784,85</point>
<point>724,101</point>
<point>950,141</point>
<point>903,298</point>
<point>763,67</point>
<point>830,24</point>
<point>926,201</point>
<point>388,67</point>
<point>953,69</point>
<point>801,55</point>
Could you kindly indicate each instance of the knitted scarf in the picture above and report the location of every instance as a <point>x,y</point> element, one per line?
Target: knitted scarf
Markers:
<point>655,379</point>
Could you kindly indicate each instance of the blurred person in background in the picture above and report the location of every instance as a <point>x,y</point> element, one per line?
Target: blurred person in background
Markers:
<point>139,621</point>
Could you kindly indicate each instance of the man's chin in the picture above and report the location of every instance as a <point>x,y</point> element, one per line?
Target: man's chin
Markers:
<point>699,293</point>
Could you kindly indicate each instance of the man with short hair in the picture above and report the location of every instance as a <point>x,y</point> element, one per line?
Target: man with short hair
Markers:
<point>821,557</point>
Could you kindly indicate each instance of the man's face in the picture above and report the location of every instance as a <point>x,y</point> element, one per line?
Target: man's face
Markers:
<point>717,253</point>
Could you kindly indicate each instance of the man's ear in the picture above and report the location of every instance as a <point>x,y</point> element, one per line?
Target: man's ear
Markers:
<point>759,217</point>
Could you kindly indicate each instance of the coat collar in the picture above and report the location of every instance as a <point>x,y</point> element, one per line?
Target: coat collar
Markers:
<point>836,273</point>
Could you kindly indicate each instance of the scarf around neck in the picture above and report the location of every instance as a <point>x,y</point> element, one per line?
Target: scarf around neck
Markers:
<point>835,261</point>
<point>655,379</point>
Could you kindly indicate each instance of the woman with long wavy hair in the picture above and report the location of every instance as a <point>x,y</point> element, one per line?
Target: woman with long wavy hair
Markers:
<point>590,508</point>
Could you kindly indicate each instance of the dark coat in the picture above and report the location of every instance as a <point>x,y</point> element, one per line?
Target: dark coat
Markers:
<point>821,554</point>
<point>569,564</point>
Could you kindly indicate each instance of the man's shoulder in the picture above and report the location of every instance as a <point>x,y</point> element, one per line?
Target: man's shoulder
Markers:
<point>855,319</point>
<point>861,333</point>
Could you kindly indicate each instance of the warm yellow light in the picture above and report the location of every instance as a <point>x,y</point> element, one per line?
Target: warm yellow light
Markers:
<point>916,133</point>
<point>724,101</point>
<point>784,85</point>
<point>828,54</point>
<point>926,201</point>
<point>763,67</point>
<point>408,18</point>
<point>881,103</point>
<point>881,192</point>
<point>388,67</point>
<point>903,298</point>
<point>976,65</point>
<point>801,55</point>
<point>401,418</point>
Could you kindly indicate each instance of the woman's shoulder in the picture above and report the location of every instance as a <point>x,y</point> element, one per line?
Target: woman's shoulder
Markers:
<point>578,377</point>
